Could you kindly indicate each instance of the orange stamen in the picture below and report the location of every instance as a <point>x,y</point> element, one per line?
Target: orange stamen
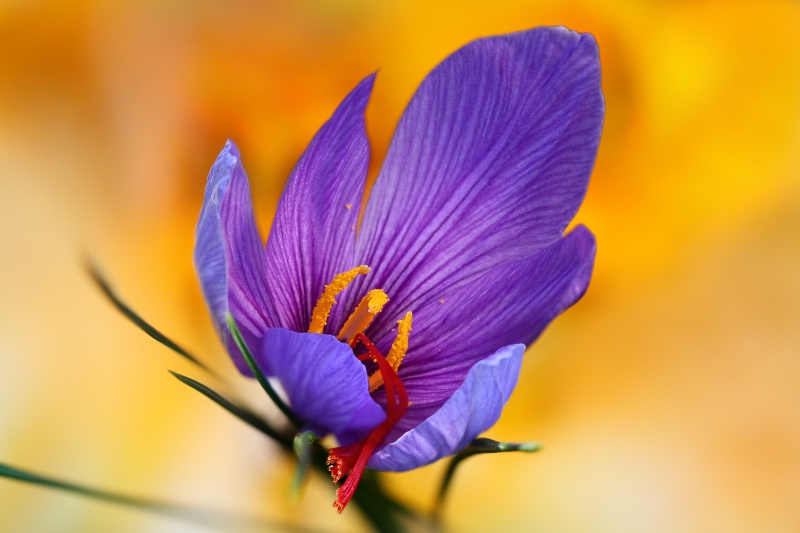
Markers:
<point>319,317</point>
<point>362,317</point>
<point>396,353</point>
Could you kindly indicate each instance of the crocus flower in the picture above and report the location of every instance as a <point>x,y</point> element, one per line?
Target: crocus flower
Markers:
<point>402,333</point>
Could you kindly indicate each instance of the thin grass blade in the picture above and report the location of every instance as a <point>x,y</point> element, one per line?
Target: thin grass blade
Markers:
<point>262,379</point>
<point>246,416</point>
<point>141,323</point>
<point>477,447</point>
<point>219,519</point>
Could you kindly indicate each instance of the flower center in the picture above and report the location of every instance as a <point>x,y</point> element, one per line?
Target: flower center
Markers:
<point>351,460</point>
<point>362,317</point>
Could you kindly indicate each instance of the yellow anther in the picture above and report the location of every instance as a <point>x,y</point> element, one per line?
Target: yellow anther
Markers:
<point>400,344</point>
<point>319,317</point>
<point>396,353</point>
<point>370,305</point>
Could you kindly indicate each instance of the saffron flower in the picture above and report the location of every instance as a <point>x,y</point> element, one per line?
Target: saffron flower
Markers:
<point>402,334</point>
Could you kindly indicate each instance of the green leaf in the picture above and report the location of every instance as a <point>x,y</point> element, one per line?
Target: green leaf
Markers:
<point>218,519</point>
<point>251,362</point>
<point>477,447</point>
<point>304,451</point>
<point>239,412</point>
<point>139,321</point>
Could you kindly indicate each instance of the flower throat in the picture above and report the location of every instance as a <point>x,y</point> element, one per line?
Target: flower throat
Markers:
<point>351,459</point>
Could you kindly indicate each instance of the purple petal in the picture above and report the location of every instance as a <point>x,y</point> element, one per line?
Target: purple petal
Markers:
<point>326,384</point>
<point>489,163</point>
<point>313,235</point>
<point>228,255</point>
<point>508,305</point>
<point>470,411</point>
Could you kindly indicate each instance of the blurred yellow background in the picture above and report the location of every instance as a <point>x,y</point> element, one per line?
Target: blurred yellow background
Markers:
<point>668,399</point>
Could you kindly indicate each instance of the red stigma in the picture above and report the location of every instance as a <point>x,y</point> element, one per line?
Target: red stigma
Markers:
<point>351,460</point>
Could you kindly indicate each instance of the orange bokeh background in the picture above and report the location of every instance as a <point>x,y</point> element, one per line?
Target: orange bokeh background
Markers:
<point>668,399</point>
